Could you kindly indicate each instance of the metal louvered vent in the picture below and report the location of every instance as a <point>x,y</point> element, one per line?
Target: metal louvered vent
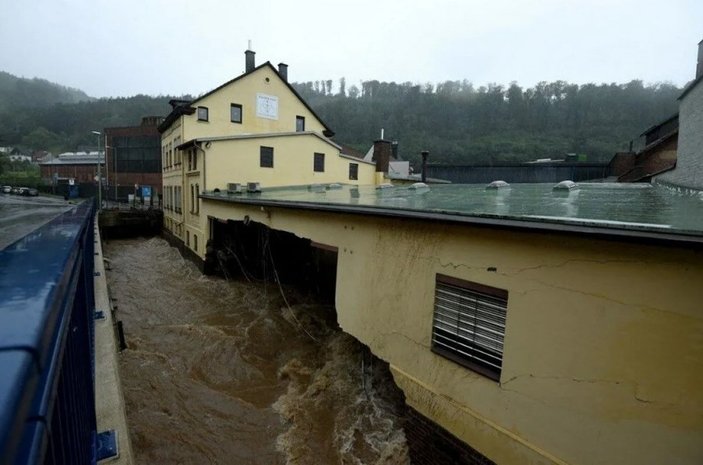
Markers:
<point>469,324</point>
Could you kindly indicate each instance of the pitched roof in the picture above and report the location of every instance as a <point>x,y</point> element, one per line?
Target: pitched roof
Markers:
<point>690,86</point>
<point>659,124</point>
<point>183,109</point>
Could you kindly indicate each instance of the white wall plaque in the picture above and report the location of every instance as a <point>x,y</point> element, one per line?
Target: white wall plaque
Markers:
<point>267,106</point>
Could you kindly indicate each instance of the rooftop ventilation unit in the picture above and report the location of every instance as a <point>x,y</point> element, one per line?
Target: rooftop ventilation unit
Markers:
<point>253,187</point>
<point>497,185</point>
<point>566,186</point>
<point>235,188</point>
<point>418,185</point>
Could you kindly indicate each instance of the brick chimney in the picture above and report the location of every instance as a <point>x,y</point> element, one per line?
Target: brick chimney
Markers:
<point>283,71</point>
<point>249,61</point>
<point>424,154</point>
<point>699,67</point>
<point>382,155</point>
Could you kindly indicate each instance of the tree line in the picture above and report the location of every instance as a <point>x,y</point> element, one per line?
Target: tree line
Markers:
<point>455,120</point>
<point>460,123</point>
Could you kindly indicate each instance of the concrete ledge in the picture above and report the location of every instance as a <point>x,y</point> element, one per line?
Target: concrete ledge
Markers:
<point>109,401</point>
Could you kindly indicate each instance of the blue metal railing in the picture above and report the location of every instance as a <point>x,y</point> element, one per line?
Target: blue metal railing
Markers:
<point>47,399</point>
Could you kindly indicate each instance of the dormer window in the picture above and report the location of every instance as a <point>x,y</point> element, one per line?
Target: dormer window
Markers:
<point>203,114</point>
<point>299,123</point>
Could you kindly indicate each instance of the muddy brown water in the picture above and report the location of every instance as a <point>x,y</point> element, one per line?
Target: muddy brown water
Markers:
<point>224,372</point>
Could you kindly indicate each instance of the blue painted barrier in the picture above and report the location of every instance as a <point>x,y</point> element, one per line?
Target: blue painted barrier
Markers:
<point>47,397</point>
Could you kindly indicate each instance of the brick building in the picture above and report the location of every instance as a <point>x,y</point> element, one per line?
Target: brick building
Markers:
<point>82,167</point>
<point>77,168</point>
<point>133,158</point>
<point>657,156</point>
<point>689,165</point>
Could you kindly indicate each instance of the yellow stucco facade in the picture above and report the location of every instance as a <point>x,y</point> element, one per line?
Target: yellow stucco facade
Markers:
<point>213,145</point>
<point>603,358</point>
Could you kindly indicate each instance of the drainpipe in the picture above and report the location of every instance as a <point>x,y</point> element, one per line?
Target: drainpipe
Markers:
<point>425,154</point>
<point>199,147</point>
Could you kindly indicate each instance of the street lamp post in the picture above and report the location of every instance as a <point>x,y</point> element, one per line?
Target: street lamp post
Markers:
<point>100,187</point>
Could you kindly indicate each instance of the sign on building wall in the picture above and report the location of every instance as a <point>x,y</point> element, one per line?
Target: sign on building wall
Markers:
<point>267,106</point>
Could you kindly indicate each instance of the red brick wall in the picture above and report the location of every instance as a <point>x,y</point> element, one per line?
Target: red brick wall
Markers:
<point>124,180</point>
<point>81,173</point>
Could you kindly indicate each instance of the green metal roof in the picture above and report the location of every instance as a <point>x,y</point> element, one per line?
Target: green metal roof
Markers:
<point>627,208</point>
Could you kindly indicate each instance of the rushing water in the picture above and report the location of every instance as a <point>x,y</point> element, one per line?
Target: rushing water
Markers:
<point>224,372</point>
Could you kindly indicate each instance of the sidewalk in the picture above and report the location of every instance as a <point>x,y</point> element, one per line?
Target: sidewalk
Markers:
<point>109,401</point>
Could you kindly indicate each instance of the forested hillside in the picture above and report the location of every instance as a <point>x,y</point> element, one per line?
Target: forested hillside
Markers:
<point>459,123</point>
<point>15,91</point>
<point>65,126</point>
<point>456,121</point>
<point>36,114</point>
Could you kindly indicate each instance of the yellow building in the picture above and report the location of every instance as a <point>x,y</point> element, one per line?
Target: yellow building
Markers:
<point>524,325</point>
<point>252,129</point>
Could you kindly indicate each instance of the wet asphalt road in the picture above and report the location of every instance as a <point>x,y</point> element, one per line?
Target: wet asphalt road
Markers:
<point>21,215</point>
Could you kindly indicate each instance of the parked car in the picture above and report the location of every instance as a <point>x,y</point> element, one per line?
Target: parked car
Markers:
<point>15,190</point>
<point>29,191</point>
<point>6,189</point>
<point>23,191</point>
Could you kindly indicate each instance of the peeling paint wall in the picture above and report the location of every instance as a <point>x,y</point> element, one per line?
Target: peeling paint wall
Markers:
<point>603,358</point>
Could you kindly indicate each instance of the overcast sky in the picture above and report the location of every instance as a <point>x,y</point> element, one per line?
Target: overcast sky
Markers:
<point>175,47</point>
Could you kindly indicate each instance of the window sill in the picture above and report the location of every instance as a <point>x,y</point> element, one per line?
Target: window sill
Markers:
<point>475,367</point>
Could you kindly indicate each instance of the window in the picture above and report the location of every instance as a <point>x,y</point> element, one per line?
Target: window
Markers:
<point>178,200</point>
<point>188,238</point>
<point>469,324</point>
<point>195,242</point>
<point>202,114</point>
<point>192,198</point>
<point>266,157</point>
<point>192,159</point>
<point>176,151</point>
<point>319,162</point>
<point>299,123</point>
<point>197,203</point>
<point>353,171</point>
<point>235,113</point>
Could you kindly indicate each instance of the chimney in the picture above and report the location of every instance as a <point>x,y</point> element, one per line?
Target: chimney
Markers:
<point>425,154</point>
<point>249,61</point>
<point>699,67</point>
<point>382,155</point>
<point>283,71</point>
<point>394,149</point>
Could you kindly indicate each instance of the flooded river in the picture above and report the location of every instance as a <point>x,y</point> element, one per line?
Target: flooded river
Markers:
<point>224,372</point>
